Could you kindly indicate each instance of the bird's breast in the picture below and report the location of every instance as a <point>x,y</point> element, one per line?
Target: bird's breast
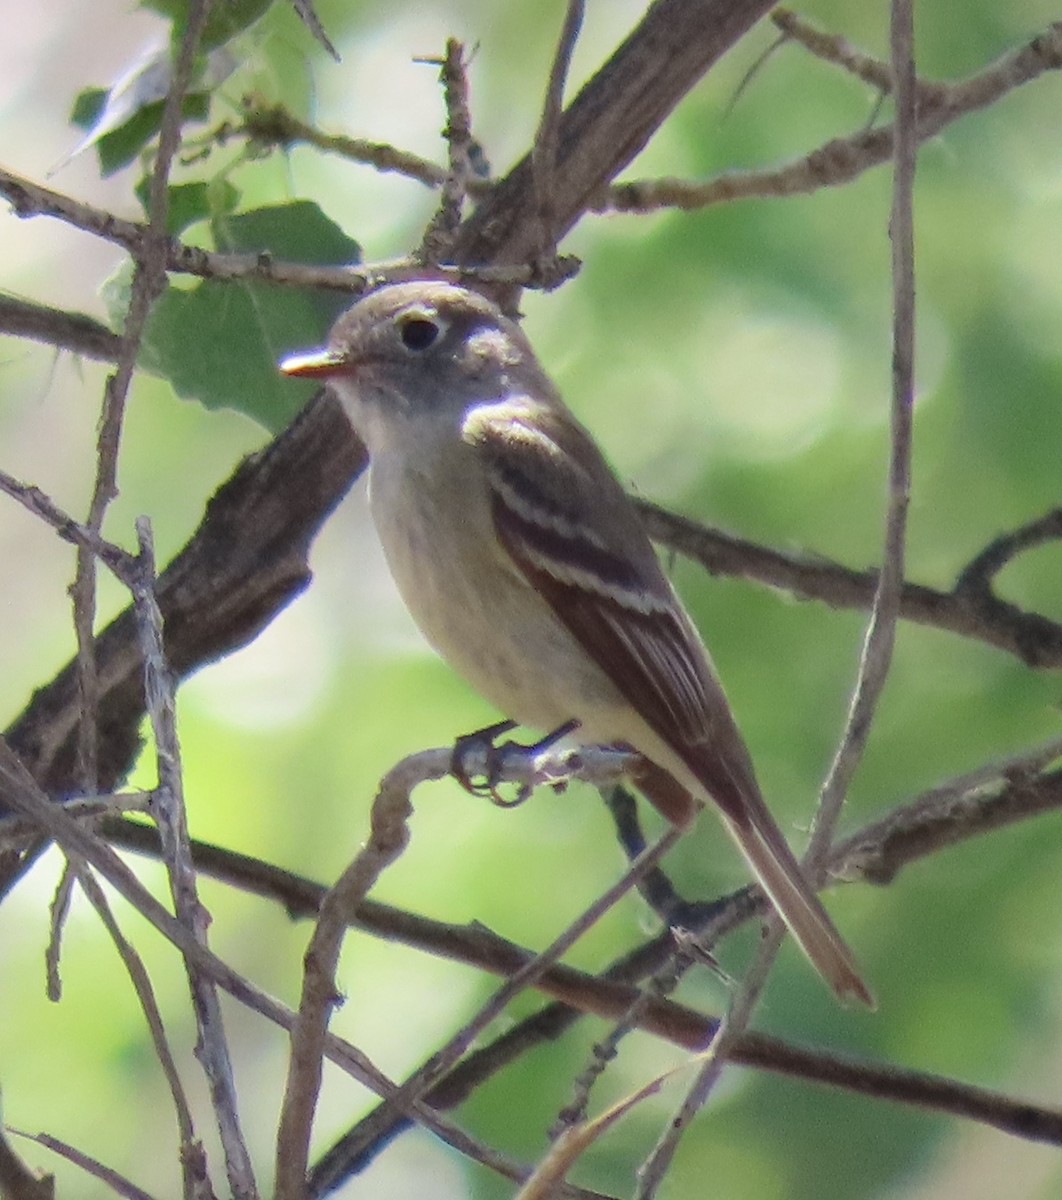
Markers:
<point>471,601</point>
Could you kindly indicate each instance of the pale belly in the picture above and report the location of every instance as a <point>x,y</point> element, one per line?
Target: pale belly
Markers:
<point>480,614</point>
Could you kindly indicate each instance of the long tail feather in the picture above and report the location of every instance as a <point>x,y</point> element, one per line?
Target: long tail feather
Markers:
<point>783,879</point>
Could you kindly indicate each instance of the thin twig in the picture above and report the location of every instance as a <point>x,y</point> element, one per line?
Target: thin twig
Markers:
<point>1034,639</point>
<point>389,834</point>
<point>725,1041</point>
<point>15,831</point>
<point>192,1158</point>
<point>526,975</point>
<point>276,126</point>
<point>437,242</point>
<point>843,159</point>
<point>106,1175</point>
<point>388,838</point>
<point>149,280</point>
<point>55,327</point>
<point>881,630</point>
<point>82,536</point>
<point>19,791</point>
<point>171,817</point>
<point>975,580</point>
<point>834,49</point>
<point>547,138</point>
<point>17,1181</point>
<point>58,913</point>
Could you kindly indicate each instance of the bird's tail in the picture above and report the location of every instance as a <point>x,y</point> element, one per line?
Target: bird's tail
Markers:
<point>784,881</point>
<point>760,841</point>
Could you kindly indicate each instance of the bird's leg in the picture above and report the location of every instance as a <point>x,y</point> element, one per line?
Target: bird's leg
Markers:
<point>484,740</point>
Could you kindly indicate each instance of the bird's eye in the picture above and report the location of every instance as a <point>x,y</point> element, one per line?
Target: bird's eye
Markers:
<point>418,333</point>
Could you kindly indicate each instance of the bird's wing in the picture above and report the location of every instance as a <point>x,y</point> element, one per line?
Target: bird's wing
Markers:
<point>568,527</point>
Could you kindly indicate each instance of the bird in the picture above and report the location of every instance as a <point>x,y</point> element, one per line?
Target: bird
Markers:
<point>519,554</point>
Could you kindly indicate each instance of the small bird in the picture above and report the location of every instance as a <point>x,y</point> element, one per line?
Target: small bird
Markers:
<point>524,563</point>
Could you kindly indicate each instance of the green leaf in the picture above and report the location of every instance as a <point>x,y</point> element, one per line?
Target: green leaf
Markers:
<point>119,147</point>
<point>88,105</point>
<point>219,342</point>
<point>192,202</point>
<point>225,20</point>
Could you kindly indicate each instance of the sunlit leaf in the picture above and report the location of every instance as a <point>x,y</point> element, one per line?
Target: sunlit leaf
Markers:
<point>122,120</point>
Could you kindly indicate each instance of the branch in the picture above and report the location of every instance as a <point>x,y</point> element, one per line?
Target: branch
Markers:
<point>29,199</point>
<point>833,49</point>
<point>991,798</point>
<point>547,136</point>
<point>54,327</point>
<point>389,836</point>
<point>19,792</point>
<point>843,159</point>
<point>17,1181</point>
<point>880,638</point>
<point>191,1155</point>
<point>608,123</point>
<point>438,238</point>
<point>969,612</point>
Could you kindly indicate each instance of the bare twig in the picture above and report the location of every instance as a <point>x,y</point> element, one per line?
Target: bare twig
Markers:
<point>389,834</point>
<point>91,1166</point>
<point>31,199</point>
<point>833,49</point>
<point>721,1050</point>
<point>191,1157</point>
<point>54,327</point>
<point>15,830</point>
<point>975,580</point>
<point>57,915</point>
<point>526,975</point>
<point>881,631</point>
<point>308,16</point>
<point>1034,639</point>
<point>388,838</point>
<point>82,536</point>
<point>170,814</point>
<point>547,137</point>
<point>276,126</point>
<point>19,791</point>
<point>843,159</point>
<point>17,1181</point>
<point>437,242</point>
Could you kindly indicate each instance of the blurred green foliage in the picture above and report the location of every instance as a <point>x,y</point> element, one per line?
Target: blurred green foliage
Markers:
<point>735,364</point>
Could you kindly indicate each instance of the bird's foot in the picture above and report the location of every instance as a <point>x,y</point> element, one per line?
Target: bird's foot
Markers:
<point>480,764</point>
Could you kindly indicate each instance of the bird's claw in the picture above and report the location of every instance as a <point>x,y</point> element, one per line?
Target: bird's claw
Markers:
<point>484,782</point>
<point>483,744</point>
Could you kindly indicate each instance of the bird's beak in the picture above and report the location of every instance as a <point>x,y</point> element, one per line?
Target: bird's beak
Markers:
<point>319,364</point>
